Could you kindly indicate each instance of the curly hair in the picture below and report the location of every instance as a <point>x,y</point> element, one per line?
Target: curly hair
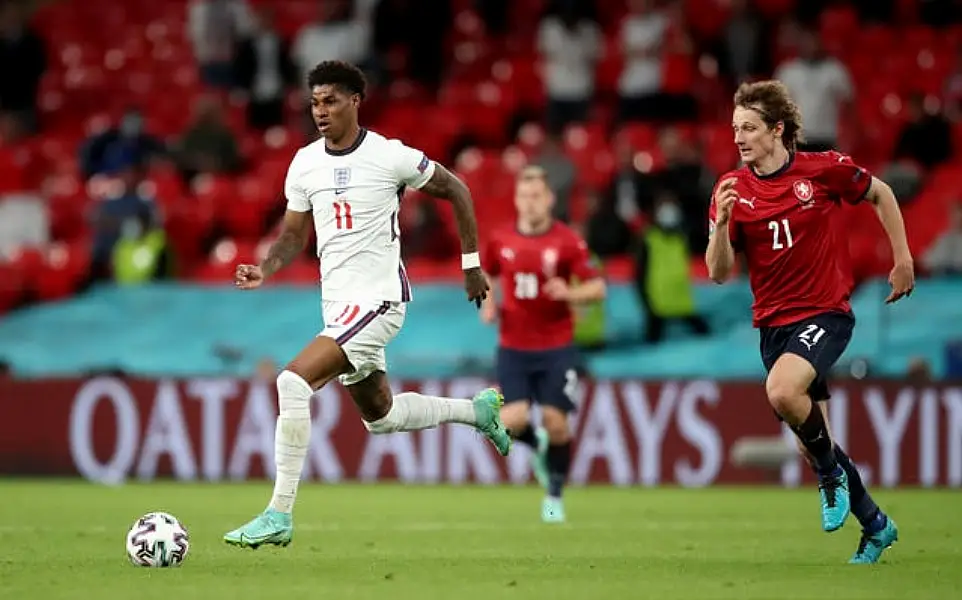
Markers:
<point>772,101</point>
<point>340,74</point>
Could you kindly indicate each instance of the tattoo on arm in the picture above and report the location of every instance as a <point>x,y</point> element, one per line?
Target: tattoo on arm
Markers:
<point>446,186</point>
<point>282,252</point>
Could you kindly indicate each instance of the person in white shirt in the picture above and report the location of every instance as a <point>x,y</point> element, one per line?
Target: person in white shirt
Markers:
<point>349,183</point>
<point>571,45</point>
<point>822,89</point>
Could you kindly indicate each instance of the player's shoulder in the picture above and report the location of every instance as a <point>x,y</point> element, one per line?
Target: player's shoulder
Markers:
<point>739,173</point>
<point>311,152</point>
<point>820,161</point>
<point>379,143</point>
<point>564,232</point>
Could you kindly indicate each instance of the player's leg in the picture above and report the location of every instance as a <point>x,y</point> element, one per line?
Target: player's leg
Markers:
<point>317,364</point>
<point>384,412</point>
<point>807,351</point>
<point>514,369</point>
<point>555,392</point>
<point>879,531</point>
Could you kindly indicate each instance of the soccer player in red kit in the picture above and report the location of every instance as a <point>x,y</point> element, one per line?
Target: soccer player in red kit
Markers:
<point>781,209</point>
<point>535,263</point>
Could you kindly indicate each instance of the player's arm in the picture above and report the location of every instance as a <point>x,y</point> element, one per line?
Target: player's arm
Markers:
<point>592,290</point>
<point>295,231</point>
<point>489,306</point>
<point>720,255</point>
<point>446,186</point>
<point>902,277</point>
<point>591,286</point>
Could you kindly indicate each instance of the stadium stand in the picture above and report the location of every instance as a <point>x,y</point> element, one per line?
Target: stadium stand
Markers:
<point>484,118</point>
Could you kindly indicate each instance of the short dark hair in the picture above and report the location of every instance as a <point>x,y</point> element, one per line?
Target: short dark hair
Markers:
<point>340,74</point>
<point>774,103</point>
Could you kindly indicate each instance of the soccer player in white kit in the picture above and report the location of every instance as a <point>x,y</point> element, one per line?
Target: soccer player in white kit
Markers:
<point>350,183</point>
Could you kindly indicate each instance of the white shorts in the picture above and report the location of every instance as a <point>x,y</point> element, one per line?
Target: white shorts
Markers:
<point>362,330</point>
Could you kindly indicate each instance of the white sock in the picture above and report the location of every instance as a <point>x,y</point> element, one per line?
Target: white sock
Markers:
<point>412,411</point>
<point>291,438</point>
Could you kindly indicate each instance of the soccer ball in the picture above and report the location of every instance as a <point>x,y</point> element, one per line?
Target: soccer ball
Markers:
<point>157,539</point>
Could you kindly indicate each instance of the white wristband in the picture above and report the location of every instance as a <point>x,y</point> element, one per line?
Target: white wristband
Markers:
<point>470,261</point>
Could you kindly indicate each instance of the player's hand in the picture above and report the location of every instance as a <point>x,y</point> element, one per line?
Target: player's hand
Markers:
<point>489,313</point>
<point>476,285</point>
<point>725,197</point>
<point>248,277</point>
<point>902,280</point>
<point>556,288</point>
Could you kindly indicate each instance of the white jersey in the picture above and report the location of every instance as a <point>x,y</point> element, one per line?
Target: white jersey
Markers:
<point>355,195</point>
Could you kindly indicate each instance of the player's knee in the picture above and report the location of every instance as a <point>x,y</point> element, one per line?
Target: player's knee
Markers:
<point>784,396</point>
<point>555,423</point>
<point>383,425</point>
<point>516,415</point>
<point>293,395</point>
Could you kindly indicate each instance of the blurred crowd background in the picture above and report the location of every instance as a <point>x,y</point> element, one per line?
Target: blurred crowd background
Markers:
<point>148,141</point>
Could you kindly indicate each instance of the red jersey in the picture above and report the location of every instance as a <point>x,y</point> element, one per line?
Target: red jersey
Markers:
<point>786,224</point>
<point>527,319</point>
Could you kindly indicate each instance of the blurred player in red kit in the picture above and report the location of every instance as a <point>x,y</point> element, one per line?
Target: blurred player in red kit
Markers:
<point>534,264</point>
<point>781,209</point>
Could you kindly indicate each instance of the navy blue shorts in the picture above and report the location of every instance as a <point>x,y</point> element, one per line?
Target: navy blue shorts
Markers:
<point>548,377</point>
<point>820,339</point>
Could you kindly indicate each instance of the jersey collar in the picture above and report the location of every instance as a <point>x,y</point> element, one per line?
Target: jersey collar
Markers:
<point>788,165</point>
<point>361,134</point>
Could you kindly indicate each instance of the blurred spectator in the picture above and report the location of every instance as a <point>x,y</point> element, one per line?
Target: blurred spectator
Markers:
<point>208,145</point>
<point>570,44</point>
<point>688,180</point>
<point>216,27</point>
<point>560,172</point>
<point>264,70</point>
<point>642,35</point>
<point>945,255</point>
<point>425,233</point>
<point>124,211</point>
<point>821,87</point>
<point>605,232</point>
<point>631,192</point>
<point>407,39</point>
<point>743,53</point>
<point>120,147</point>
<point>141,253</point>
<point>662,272</point>
<point>336,35</point>
<point>23,222</point>
<point>927,137</point>
<point>24,61</point>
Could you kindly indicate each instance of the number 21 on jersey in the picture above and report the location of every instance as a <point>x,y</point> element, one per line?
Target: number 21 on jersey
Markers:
<point>342,215</point>
<point>781,234</point>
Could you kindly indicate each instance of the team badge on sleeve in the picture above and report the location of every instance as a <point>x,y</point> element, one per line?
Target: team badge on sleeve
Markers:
<point>423,165</point>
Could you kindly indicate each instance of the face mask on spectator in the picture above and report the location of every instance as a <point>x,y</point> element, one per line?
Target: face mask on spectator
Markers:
<point>668,216</point>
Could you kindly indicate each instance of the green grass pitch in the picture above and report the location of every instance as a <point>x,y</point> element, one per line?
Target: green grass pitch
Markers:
<point>64,539</point>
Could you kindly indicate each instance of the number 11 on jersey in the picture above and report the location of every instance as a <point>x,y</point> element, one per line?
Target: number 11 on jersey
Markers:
<point>342,215</point>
